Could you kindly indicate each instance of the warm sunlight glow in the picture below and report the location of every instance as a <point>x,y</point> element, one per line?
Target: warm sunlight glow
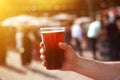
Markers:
<point>14,7</point>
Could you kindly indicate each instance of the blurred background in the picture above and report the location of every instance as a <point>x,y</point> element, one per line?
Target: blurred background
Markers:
<point>92,29</point>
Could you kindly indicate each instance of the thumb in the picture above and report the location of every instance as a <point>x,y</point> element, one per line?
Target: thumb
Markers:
<point>65,46</point>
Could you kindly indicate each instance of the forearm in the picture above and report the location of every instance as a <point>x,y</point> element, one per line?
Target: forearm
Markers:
<point>96,69</point>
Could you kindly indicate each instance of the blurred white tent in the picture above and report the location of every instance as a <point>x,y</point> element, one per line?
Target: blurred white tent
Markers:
<point>82,19</point>
<point>46,21</point>
<point>21,20</point>
<point>63,16</point>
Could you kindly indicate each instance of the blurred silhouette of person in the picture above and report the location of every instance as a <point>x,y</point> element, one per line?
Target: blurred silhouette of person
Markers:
<point>77,35</point>
<point>103,44</point>
<point>92,34</point>
<point>68,36</point>
<point>26,55</point>
<point>115,44</point>
<point>3,46</point>
<point>86,26</point>
<point>11,32</point>
<point>36,39</point>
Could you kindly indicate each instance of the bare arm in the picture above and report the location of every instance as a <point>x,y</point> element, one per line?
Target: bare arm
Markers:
<point>95,69</point>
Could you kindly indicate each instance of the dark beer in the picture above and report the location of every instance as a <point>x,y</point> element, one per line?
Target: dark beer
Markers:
<point>54,55</point>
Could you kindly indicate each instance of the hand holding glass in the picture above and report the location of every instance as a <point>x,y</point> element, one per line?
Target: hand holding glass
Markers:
<point>51,36</point>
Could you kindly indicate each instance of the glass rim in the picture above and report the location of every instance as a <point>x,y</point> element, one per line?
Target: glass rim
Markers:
<point>52,29</point>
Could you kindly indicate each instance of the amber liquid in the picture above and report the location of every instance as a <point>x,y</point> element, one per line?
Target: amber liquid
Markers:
<point>54,55</point>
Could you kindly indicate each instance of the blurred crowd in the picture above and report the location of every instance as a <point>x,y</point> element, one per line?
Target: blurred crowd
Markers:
<point>100,33</point>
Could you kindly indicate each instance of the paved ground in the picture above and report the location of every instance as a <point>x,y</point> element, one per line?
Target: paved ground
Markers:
<point>15,71</point>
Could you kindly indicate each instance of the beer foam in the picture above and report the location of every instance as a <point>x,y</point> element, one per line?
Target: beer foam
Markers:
<point>52,29</point>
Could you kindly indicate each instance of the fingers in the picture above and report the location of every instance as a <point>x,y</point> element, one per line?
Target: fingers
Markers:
<point>44,63</point>
<point>43,58</point>
<point>41,45</point>
<point>42,51</point>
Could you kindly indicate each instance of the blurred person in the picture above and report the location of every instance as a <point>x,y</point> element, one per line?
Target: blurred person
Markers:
<point>26,55</point>
<point>77,34</point>
<point>36,32</point>
<point>112,29</point>
<point>97,70</point>
<point>3,46</point>
<point>36,39</point>
<point>68,36</point>
<point>86,27</point>
<point>103,44</point>
<point>19,43</point>
<point>115,55</point>
<point>93,34</point>
<point>111,15</point>
<point>11,31</point>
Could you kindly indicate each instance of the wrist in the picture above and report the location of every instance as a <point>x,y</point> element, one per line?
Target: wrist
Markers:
<point>75,64</point>
<point>86,67</point>
<point>79,64</point>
